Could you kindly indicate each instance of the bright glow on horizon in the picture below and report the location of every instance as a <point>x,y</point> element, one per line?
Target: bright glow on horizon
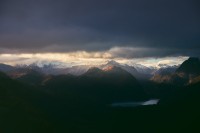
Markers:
<point>85,58</point>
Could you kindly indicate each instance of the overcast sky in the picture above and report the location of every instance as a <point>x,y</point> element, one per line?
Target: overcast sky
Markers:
<point>123,28</point>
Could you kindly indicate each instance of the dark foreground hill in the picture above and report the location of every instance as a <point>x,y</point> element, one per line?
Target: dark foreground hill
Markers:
<point>100,86</point>
<point>190,66</point>
<point>19,107</point>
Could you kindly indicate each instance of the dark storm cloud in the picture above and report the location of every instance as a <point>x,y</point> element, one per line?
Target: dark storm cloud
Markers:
<point>169,26</point>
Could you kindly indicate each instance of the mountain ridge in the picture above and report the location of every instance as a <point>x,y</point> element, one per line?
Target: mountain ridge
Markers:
<point>183,75</point>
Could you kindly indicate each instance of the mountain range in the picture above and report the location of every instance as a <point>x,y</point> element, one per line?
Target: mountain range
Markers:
<point>137,70</point>
<point>79,98</point>
<point>110,75</point>
<point>186,73</point>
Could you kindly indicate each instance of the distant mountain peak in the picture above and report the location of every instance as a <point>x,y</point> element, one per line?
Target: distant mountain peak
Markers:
<point>113,63</point>
<point>109,68</point>
<point>110,65</point>
<point>113,69</point>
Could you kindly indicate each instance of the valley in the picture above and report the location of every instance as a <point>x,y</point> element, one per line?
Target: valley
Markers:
<point>103,99</point>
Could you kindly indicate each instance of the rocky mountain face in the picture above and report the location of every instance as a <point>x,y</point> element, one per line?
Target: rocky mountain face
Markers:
<point>186,73</point>
<point>131,69</point>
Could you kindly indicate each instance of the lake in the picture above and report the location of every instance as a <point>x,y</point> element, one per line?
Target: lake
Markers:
<point>135,104</point>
